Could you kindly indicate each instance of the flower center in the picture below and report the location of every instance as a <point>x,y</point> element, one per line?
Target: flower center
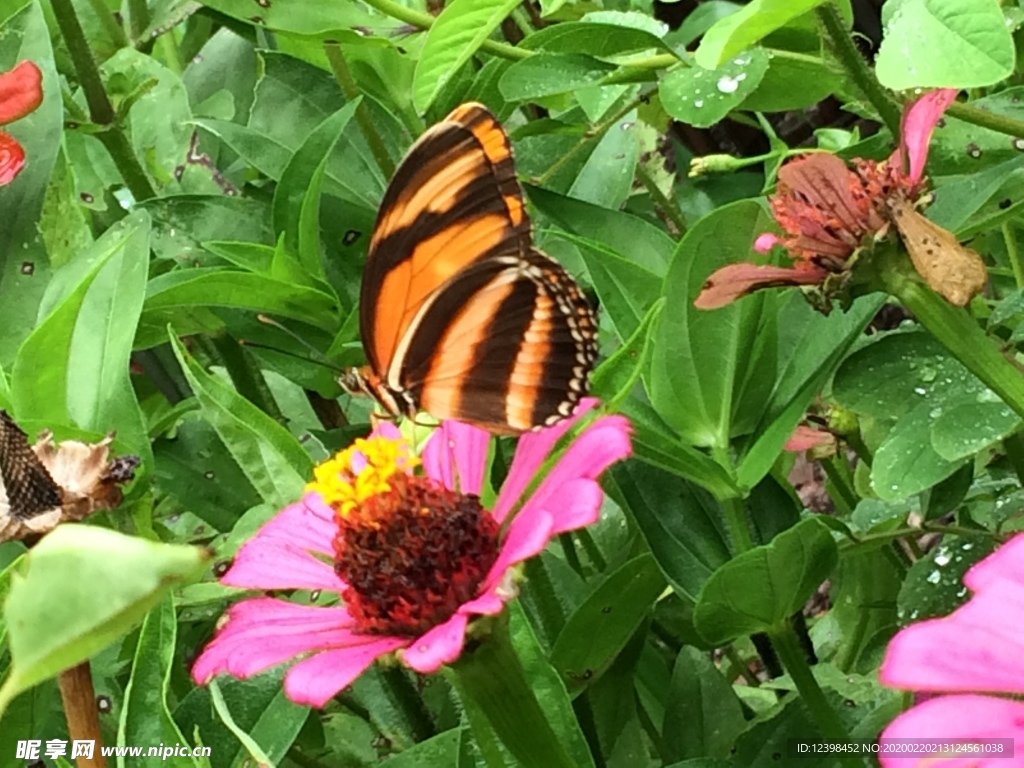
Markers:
<point>412,555</point>
<point>410,550</point>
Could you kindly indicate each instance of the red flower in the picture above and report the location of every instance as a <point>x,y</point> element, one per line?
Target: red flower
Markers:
<point>21,92</point>
<point>829,210</point>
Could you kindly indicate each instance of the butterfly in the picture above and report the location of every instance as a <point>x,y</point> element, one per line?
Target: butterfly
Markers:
<point>46,484</point>
<point>460,315</point>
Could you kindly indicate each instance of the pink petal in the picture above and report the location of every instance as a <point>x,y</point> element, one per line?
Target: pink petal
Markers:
<point>737,280</point>
<point>438,646</point>
<point>263,632</point>
<point>1007,563</point>
<point>531,452</point>
<point>765,242</point>
<point>388,429</point>
<point>12,158</point>
<point>976,648</point>
<point>959,717</point>
<point>600,445</point>
<point>919,121</point>
<point>575,504</point>
<point>804,438</point>
<point>315,680</point>
<point>527,536</point>
<point>21,91</point>
<point>456,454</point>
<point>273,564</point>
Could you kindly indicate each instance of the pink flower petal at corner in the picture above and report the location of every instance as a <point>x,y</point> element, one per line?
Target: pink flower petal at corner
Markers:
<point>313,681</point>
<point>735,281</point>
<point>456,454</point>
<point>528,534</point>
<point>269,563</point>
<point>387,429</point>
<point>976,648</point>
<point>12,158</point>
<point>21,91</point>
<point>955,717</point>
<point>916,129</point>
<point>531,452</point>
<point>308,524</point>
<point>1007,563</point>
<point>601,444</point>
<point>438,646</point>
<point>765,242</point>
<point>262,632</point>
<point>574,504</point>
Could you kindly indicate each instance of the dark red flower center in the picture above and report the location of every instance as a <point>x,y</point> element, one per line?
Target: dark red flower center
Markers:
<point>412,555</point>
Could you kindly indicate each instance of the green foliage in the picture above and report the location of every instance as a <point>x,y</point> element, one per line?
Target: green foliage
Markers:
<point>180,265</point>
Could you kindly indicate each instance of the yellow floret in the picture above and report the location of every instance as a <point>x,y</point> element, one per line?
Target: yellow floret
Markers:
<point>343,487</point>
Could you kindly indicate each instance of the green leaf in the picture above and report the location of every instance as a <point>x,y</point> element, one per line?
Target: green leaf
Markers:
<point>976,45</point>
<point>601,626</point>
<point>702,360</point>
<point>934,585</point>
<point>791,84</point>
<point>939,412</point>
<point>272,459</point>
<point>761,588</point>
<point>455,36</point>
<point>702,97</point>
<point>145,718</point>
<point>615,377</point>
<point>683,525</point>
<point>92,307</point>
<point>70,598</point>
<point>301,177</point>
<point>746,27</point>
<point>23,262</point>
<point>700,697</point>
<point>548,74</point>
<point>607,177</point>
<point>600,40</point>
<point>215,287</point>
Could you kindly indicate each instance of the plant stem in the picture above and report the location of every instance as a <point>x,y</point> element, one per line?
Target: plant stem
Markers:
<point>857,68</point>
<point>498,697</point>
<point>244,373</point>
<point>110,25</point>
<point>955,329</point>
<point>898,533</point>
<point>984,119</point>
<point>787,647</point>
<point>1013,253</point>
<point>342,73</point>
<point>737,661</point>
<point>669,211</point>
<point>101,111</point>
<point>846,497</point>
<point>736,522</point>
<point>79,700</point>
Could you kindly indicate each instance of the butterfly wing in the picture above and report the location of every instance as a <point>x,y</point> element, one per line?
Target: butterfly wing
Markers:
<point>507,345</point>
<point>453,201</point>
<point>27,489</point>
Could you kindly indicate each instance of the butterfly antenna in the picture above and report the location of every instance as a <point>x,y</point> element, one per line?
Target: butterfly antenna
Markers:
<point>321,358</point>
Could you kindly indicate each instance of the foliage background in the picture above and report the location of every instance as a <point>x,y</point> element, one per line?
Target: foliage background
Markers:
<point>231,164</point>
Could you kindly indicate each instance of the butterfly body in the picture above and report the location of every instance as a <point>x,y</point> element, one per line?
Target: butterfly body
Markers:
<point>460,315</point>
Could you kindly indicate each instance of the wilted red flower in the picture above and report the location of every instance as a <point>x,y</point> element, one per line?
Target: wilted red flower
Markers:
<point>829,210</point>
<point>21,91</point>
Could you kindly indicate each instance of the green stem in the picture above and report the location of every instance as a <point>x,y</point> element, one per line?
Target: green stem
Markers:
<point>110,25</point>
<point>737,661</point>
<point>845,497</point>
<point>138,18</point>
<point>857,68</point>
<point>1010,238</point>
<point>342,73</point>
<point>899,533</point>
<point>736,521</point>
<point>667,207</point>
<point>955,329</point>
<point>101,111</point>
<point>244,373</point>
<point>786,645</point>
<point>984,119</point>
<point>499,698</point>
<point>169,49</point>
<point>1014,447</point>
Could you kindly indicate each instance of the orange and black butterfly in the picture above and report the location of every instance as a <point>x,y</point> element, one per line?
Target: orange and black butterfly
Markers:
<point>460,315</point>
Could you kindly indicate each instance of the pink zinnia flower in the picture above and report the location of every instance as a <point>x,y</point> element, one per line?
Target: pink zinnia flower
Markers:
<point>21,91</point>
<point>976,650</point>
<point>829,210</point>
<point>406,544</point>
